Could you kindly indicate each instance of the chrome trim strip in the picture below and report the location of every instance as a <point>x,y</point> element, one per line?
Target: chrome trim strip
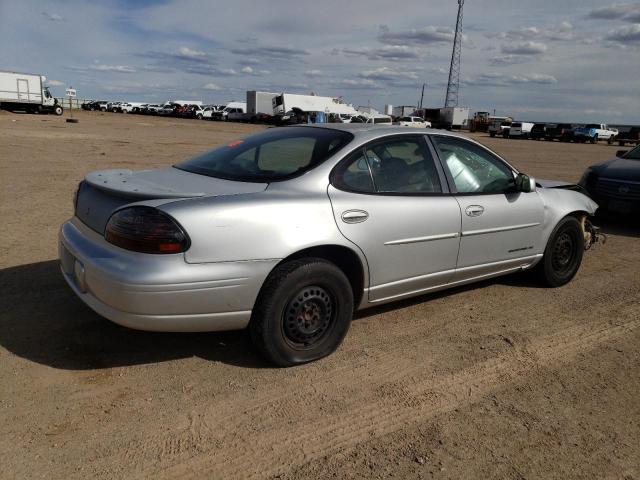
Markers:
<point>499,229</point>
<point>431,238</point>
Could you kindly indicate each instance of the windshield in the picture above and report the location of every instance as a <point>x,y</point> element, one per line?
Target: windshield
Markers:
<point>633,154</point>
<point>276,154</point>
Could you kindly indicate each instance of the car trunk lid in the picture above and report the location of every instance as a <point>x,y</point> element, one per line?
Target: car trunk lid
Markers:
<point>103,192</point>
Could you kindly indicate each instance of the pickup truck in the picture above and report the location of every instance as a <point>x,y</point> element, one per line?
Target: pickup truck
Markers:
<point>593,132</point>
<point>631,136</point>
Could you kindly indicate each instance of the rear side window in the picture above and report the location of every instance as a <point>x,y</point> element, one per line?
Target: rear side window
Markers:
<point>393,166</point>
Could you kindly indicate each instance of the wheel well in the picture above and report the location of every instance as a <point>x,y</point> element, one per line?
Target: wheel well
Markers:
<point>344,258</point>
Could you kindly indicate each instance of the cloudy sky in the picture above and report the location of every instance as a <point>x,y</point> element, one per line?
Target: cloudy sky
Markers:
<point>572,60</point>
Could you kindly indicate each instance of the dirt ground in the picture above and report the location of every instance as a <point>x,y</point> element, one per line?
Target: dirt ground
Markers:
<point>498,380</point>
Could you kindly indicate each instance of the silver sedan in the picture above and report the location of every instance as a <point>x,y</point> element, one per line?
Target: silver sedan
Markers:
<point>289,231</point>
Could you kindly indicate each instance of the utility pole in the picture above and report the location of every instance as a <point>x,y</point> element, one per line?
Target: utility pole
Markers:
<point>453,86</point>
<point>421,97</point>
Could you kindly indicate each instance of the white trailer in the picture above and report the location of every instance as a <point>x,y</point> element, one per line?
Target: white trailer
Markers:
<point>259,103</point>
<point>187,102</point>
<point>310,103</point>
<point>454,117</point>
<point>24,91</point>
<point>404,111</point>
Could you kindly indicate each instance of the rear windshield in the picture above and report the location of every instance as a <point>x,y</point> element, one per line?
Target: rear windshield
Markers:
<point>276,154</point>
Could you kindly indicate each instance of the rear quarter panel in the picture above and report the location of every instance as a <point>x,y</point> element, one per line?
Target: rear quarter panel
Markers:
<point>262,226</point>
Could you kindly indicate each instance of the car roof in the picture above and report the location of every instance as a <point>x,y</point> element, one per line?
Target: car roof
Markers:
<point>371,130</point>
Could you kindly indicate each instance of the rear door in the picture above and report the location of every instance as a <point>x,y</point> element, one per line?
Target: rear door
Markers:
<point>501,228</point>
<point>390,198</point>
<point>23,89</point>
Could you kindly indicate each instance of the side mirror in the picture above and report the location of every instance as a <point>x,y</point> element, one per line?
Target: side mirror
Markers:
<point>525,183</point>
<point>621,153</point>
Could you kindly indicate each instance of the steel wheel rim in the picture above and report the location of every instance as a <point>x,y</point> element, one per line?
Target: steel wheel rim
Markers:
<point>308,317</point>
<point>564,250</point>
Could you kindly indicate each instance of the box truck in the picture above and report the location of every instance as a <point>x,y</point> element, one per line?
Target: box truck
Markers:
<point>454,117</point>
<point>24,91</point>
<point>260,105</point>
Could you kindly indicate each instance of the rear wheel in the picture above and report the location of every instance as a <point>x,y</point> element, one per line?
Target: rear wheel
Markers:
<point>563,254</point>
<point>302,312</point>
<point>594,139</point>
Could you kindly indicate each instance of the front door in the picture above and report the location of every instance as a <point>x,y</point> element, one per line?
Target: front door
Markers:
<point>390,199</point>
<point>501,228</point>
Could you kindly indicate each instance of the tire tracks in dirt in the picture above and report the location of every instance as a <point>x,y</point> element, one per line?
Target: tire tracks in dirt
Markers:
<point>278,443</point>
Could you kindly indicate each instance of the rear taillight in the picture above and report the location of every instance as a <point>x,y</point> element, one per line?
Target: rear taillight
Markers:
<point>146,230</point>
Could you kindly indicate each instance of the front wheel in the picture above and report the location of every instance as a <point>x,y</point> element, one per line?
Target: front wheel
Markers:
<point>563,254</point>
<point>302,312</point>
<point>58,110</point>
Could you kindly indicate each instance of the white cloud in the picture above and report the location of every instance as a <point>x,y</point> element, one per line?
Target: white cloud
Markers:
<point>113,68</point>
<point>386,52</point>
<point>628,12</point>
<point>504,60</point>
<point>500,79</point>
<point>625,35</point>
<point>313,72</point>
<point>421,36</point>
<point>360,82</point>
<point>54,17</point>
<point>524,48</point>
<point>247,69</point>
<point>387,73</point>
<point>189,53</point>
<point>211,86</point>
<point>55,83</point>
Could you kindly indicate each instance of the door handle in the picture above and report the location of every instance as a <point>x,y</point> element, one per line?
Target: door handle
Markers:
<point>474,210</point>
<point>354,216</point>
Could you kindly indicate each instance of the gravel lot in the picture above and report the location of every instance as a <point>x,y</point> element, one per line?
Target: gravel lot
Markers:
<point>498,380</point>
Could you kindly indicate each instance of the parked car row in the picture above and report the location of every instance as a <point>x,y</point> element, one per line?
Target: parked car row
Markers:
<point>564,132</point>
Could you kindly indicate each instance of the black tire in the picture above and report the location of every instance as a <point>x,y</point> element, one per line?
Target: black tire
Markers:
<point>492,135</point>
<point>563,254</point>
<point>594,140</point>
<point>57,110</point>
<point>302,313</point>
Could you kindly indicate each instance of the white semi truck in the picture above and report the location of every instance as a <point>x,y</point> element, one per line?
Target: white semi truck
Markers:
<point>26,92</point>
<point>310,103</point>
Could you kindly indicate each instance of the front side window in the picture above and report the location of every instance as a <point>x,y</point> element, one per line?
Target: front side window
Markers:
<point>275,154</point>
<point>397,165</point>
<point>472,168</point>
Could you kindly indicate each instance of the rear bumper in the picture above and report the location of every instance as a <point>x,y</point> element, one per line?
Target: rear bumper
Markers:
<point>158,292</point>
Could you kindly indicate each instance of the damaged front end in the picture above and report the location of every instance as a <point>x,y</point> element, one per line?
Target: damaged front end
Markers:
<point>592,234</point>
